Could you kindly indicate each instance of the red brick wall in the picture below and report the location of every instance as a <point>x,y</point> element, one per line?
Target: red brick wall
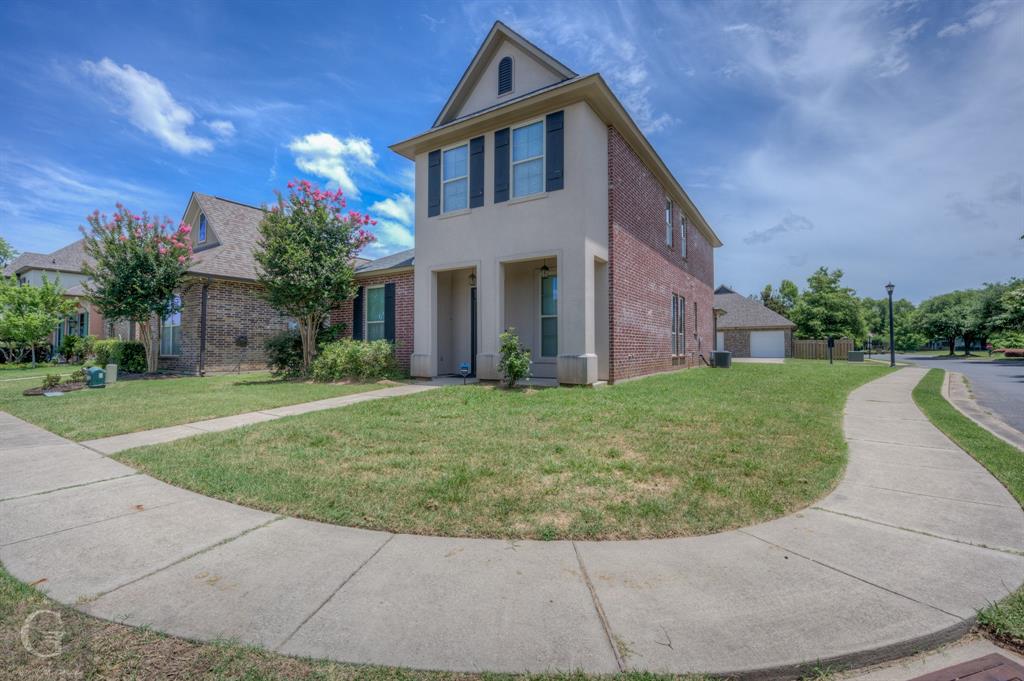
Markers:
<point>404,311</point>
<point>644,273</point>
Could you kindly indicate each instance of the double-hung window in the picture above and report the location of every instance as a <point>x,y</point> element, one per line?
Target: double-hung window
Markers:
<point>668,222</point>
<point>375,313</point>
<point>170,331</point>
<point>682,236</point>
<point>549,316</point>
<point>528,159</point>
<point>455,169</point>
<point>678,324</point>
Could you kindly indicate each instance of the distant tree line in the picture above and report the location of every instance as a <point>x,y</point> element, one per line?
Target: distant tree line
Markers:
<point>992,314</point>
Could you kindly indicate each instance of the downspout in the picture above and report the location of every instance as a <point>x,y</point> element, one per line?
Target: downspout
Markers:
<point>202,327</point>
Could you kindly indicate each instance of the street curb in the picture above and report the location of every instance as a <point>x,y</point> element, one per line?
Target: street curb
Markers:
<point>966,405</point>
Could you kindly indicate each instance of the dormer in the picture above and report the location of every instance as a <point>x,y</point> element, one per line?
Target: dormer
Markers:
<point>203,235</point>
<point>507,66</point>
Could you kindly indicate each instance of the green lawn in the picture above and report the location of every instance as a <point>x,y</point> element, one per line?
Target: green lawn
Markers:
<point>682,453</point>
<point>40,371</point>
<point>129,406</point>
<point>1004,620</point>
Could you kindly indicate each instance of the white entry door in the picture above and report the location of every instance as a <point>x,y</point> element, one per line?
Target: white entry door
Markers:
<point>767,343</point>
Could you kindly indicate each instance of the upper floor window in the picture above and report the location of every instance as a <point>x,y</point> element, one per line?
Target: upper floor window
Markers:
<point>668,222</point>
<point>455,172</point>
<point>682,236</point>
<point>374,313</point>
<point>528,159</point>
<point>201,236</point>
<point>505,75</point>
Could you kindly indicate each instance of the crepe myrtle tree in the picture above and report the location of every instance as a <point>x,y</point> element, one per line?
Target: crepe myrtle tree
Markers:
<point>28,314</point>
<point>139,262</point>
<point>306,254</point>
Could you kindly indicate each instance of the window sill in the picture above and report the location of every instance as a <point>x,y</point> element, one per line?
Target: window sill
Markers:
<point>528,197</point>
<point>454,213</point>
<point>168,357</point>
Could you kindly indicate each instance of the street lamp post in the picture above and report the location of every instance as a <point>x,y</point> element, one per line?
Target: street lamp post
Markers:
<point>892,333</point>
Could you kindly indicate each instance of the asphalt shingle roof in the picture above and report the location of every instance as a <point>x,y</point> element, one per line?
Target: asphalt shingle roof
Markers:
<point>389,262</point>
<point>746,313</point>
<point>66,259</point>
<point>237,227</point>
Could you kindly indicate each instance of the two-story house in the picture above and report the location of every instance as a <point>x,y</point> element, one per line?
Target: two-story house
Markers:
<point>540,205</point>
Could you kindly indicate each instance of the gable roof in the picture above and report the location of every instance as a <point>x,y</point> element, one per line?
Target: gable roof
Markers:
<point>395,261</point>
<point>746,313</point>
<point>69,258</point>
<point>237,226</point>
<point>499,33</point>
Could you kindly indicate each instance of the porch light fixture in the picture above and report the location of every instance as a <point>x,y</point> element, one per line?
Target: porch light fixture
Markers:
<point>545,271</point>
<point>472,279</point>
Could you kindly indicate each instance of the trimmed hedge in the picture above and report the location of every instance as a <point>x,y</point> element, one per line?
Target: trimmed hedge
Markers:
<point>347,358</point>
<point>129,356</point>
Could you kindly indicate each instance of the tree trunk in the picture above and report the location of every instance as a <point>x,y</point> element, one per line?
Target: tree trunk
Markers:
<point>33,355</point>
<point>146,336</point>
<point>952,346</point>
<point>308,328</point>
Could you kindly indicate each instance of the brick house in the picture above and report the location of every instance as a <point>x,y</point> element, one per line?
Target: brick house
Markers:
<point>540,205</point>
<point>747,328</point>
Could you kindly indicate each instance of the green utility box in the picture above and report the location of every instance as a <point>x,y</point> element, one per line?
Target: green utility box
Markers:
<point>95,377</point>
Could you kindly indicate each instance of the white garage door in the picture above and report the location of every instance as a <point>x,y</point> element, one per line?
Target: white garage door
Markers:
<point>767,343</point>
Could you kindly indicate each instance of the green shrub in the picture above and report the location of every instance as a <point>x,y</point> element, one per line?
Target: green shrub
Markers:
<point>284,353</point>
<point>515,359</point>
<point>1007,339</point>
<point>346,358</point>
<point>69,347</point>
<point>78,376</point>
<point>86,346</point>
<point>129,356</point>
<point>51,381</point>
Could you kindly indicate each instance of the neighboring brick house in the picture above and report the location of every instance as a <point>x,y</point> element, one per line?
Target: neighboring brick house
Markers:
<point>63,266</point>
<point>540,205</point>
<point>746,328</point>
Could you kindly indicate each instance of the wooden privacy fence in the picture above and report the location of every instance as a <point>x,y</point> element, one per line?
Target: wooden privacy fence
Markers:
<point>818,349</point>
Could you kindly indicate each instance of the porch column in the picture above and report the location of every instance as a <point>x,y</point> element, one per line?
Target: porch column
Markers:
<point>423,363</point>
<point>490,311</point>
<point>577,357</point>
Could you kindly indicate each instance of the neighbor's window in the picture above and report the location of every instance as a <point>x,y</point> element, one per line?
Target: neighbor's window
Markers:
<point>549,316</point>
<point>695,319</point>
<point>668,221</point>
<point>682,236</point>
<point>170,331</point>
<point>201,237</point>
<point>375,313</point>
<point>675,324</point>
<point>681,328</point>
<point>528,159</point>
<point>505,75</point>
<point>456,180</point>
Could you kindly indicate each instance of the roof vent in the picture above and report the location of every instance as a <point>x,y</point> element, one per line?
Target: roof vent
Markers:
<point>505,75</point>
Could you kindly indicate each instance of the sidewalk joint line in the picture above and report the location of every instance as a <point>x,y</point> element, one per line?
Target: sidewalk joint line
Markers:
<point>332,594</point>
<point>90,524</point>
<point>851,575</point>
<point>605,624</point>
<point>1012,552</point>
<point>930,496</point>
<point>61,489</point>
<point>954,448</point>
<point>205,549</point>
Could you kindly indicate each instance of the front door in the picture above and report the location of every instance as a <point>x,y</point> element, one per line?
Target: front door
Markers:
<point>472,330</point>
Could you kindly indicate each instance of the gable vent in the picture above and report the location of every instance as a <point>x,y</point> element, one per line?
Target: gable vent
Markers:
<point>505,75</point>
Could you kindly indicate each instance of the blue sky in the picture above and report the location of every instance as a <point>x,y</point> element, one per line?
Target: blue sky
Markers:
<point>886,139</point>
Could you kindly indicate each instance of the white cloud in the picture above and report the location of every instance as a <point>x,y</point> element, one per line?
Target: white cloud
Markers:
<point>222,129</point>
<point>326,156</point>
<point>148,104</point>
<point>981,15</point>
<point>394,229</point>
<point>790,223</point>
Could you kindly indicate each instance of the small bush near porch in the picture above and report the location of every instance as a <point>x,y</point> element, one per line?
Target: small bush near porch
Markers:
<point>684,453</point>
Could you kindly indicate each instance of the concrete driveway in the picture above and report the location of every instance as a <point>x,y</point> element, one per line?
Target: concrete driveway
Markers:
<point>997,386</point>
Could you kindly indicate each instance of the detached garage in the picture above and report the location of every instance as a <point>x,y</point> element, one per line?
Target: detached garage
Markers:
<point>746,328</point>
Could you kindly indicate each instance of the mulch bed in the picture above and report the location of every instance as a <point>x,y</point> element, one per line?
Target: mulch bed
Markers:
<point>62,388</point>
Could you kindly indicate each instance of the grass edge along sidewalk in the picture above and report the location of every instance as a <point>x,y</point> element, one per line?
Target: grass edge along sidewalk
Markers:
<point>1004,620</point>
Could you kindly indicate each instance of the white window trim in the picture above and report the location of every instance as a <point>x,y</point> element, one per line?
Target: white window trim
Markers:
<point>366,313</point>
<point>682,235</point>
<point>541,357</point>
<point>199,230</point>
<point>513,163</point>
<point>669,214</point>
<point>444,208</point>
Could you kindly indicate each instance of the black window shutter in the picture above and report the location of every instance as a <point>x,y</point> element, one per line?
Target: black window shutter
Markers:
<point>505,75</point>
<point>357,315</point>
<point>555,129</point>
<point>389,312</point>
<point>434,183</point>
<point>501,167</point>
<point>476,172</point>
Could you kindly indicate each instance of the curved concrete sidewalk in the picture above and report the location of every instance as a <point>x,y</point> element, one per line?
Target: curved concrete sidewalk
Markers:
<point>913,541</point>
